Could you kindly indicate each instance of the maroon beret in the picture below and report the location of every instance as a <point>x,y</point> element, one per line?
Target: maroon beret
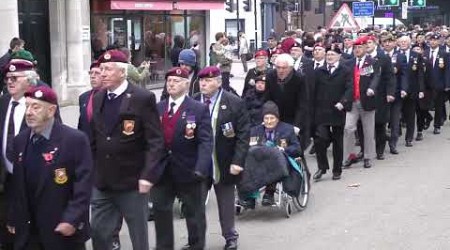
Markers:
<point>18,65</point>
<point>43,93</point>
<point>209,72</point>
<point>261,53</point>
<point>334,48</point>
<point>287,44</point>
<point>113,55</point>
<point>361,40</point>
<point>95,64</point>
<point>278,52</point>
<point>177,71</point>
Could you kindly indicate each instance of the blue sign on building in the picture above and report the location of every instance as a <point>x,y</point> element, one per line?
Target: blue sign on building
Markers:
<point>363,9</point>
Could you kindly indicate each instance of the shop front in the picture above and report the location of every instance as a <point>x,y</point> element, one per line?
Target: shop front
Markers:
<point>150,30</point>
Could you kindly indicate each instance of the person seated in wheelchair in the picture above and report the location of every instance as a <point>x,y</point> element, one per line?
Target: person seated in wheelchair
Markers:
<point>273,133</point>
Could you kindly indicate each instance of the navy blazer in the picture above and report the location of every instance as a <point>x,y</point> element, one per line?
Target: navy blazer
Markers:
<point>188,155</point>
<point>231,149</point>
<point>63,200</point>
<point>438,76</point>
<point>83,123</point>
<point>284,136</point>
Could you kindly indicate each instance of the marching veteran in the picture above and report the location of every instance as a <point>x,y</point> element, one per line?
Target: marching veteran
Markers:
<point>51,182</point>
<point>127,144</point>
<point>188,146</point>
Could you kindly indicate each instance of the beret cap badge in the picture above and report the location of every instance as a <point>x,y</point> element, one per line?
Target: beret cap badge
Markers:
<point>38,94</point>
<point>178,71</point>
<point>12,68</point>
<point>107,56</point>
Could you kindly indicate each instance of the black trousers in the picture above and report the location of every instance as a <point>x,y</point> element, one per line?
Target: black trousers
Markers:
<point>380,137</point>
<point>394,121</point>
<point>324,135</point>
<point>422,117</point>
<point>409,117</point>
<point>6,239</point>
<point>191,194</point>
<point>439,113</point>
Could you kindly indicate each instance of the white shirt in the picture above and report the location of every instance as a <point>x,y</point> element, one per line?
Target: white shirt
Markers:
<point>407,53</point>
<point>318,62</point>
<point>348,50</point>
<point>335,66</point>
<point>362,61</point>
<point>177,102</point>
<point>297,63</point>
<point>119,90</point>
<point>433,54</point>
<point>19,114</point>
<point>373,54</point>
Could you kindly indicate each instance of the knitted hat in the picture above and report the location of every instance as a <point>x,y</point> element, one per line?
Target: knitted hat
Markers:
<point>270,108</point>
<point>188,57</point>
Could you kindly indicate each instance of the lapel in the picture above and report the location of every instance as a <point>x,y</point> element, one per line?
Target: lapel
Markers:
<point>223,106</point>
<point>181,123</point>
<point>54,144</point>
<point>125,106</point>
<point>99,100</point>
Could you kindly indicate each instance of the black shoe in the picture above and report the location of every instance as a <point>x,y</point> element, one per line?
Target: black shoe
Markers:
<point>419,136</point>
<point>427,124</point>
<point>367,163</point>
<point>379,157</point>
<point>318,174</point>
<point>231,245</point>
<point>394,151</point>
<point>408,144</point>
<point>360,156</point>
<point>436,131</point>
<point>186,247</point>
<point>268,200</point>
<point>248,203</point>
<point>336,176</point>
<point>312,150</point>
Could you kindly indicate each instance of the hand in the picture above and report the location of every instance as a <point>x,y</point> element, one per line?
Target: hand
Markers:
<point>370,92</point>
<point>144,186</point>
<point>403,94</point>
<point>235,169</point>
<point>65,229</point>
<point>421,95</point>
<point>339,106</point>
<point>11,230</point>
<point>390,98</point>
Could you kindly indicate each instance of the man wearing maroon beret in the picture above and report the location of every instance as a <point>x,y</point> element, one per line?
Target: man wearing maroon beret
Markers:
<point>261,57</point>
<point>51,183</point>
<point>188,145</point>
<point>231,128</point>
<point>127,144</point>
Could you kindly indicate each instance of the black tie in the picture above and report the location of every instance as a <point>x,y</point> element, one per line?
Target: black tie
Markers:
<point>317,65</point>
<point>36,139</point>
<point>172,104</point>
<point>359,62</point>
<point>11,131</point>
<point>330,67</point>
<point>111,96</point>
<point>269,135</point>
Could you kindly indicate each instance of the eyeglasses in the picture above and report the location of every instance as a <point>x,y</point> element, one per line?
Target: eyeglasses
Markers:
<point>12,78</point>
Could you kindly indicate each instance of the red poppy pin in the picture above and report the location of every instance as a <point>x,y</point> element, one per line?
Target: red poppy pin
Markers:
<point>50,156</point>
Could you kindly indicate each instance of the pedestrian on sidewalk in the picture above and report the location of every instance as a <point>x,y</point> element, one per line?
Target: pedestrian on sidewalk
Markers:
<point>243,50</point>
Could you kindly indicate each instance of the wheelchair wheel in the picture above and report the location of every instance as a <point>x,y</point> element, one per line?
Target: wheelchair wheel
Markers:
<point>301,200</point>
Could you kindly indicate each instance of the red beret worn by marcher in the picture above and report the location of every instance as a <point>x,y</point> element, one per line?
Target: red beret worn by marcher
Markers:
<point>42,93</point>
<point>18,66</point>
<point>113,55</point>
<point>287,44</point>
<point>209,72</point>
<point>177,71</point>
<point>261,53</point>
<point>361,41</point>
<point>95,64</point>
<point>278,52</point>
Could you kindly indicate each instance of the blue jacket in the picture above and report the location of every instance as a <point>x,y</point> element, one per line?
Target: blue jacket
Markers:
<point>83,123</point>
<point>189,156</point>
<point>284,136</point>
<point>63,192</point>
<point>438,75</point>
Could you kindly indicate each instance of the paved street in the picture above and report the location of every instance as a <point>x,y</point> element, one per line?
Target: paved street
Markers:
<point>400,203</point>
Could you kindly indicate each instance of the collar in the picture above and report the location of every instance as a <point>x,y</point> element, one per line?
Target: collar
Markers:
<point>47,132</point>
<point>178,101</point>
<point>119,90</point>
<point>319,62</point>
<point>362,59</point>
<point>374,53</point>
<point>213,97</point>
<point>335,65</point>
<point>21,101</point>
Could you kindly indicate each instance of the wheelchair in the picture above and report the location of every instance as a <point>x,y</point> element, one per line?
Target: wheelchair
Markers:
<point>285,200</point>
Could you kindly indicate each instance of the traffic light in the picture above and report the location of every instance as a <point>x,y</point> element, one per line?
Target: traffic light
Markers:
<point>230,5</point>
<point>419,3</point>
<point>389,3</point>
<point>247,5</point>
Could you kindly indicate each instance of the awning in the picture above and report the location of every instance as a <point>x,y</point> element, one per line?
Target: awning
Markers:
<point>166,5</point>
